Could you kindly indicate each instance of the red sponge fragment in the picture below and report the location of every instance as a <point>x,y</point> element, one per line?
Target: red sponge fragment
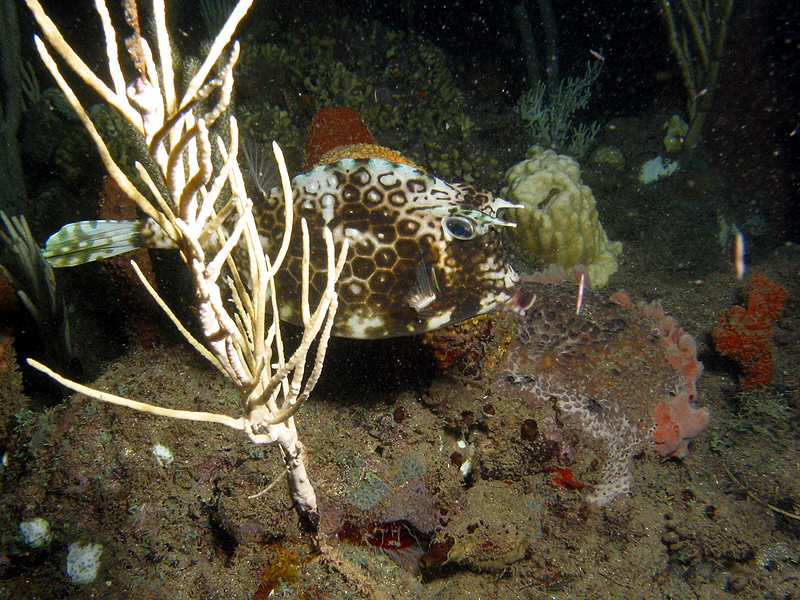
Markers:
<point>332,127</point>
<point>745,334</point>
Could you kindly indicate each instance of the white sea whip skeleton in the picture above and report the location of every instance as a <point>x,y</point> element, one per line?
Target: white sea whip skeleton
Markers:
<point>206,224</point>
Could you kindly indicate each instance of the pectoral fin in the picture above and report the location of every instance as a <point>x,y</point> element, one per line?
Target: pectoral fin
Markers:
<point>423,294</point>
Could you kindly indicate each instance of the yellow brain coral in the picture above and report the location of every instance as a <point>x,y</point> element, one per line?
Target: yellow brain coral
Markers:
<point>558,224</point>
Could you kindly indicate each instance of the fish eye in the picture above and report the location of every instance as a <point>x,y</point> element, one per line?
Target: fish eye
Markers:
<point>459,227</point>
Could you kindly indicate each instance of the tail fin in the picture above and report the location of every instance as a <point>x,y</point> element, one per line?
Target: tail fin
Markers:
<point>86,241</point>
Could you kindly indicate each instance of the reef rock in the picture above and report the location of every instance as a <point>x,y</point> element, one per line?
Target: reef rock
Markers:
<point>604,382</point>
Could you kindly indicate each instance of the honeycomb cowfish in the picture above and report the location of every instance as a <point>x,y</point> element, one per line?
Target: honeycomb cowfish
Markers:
<point>423,253</point>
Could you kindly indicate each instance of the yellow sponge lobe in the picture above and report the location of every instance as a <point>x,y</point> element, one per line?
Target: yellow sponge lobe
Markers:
<point>559,223</point>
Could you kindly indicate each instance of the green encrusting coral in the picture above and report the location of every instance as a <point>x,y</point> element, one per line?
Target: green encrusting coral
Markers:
<point>400,83</point>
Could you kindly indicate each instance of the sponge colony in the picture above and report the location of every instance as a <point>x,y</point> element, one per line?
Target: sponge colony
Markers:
<point>559,223</point>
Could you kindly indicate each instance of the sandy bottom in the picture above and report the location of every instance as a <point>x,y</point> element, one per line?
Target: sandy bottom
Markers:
<point>388,436</point>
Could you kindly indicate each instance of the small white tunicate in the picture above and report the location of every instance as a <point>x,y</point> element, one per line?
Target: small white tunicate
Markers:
<point>656,168</point>
<point>83,562</point>
<point>163,455</point>
<point>36,532</point>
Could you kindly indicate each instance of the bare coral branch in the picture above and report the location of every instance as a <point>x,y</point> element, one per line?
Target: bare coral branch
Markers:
<point>208,217</point>
<point>697,30</point>
<point>117,99</point>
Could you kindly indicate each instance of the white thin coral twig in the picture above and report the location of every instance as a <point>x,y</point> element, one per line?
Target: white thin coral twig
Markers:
<point>240,343</point>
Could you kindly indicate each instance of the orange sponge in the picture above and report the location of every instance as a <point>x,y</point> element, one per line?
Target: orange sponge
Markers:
<point>677,423</point>
<point>745,334</point>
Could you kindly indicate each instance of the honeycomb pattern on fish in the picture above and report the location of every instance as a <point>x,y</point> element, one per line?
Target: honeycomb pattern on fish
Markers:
<point>424,253</point>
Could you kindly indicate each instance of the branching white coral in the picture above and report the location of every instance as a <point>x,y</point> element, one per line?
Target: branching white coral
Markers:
<point>206,214</point>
